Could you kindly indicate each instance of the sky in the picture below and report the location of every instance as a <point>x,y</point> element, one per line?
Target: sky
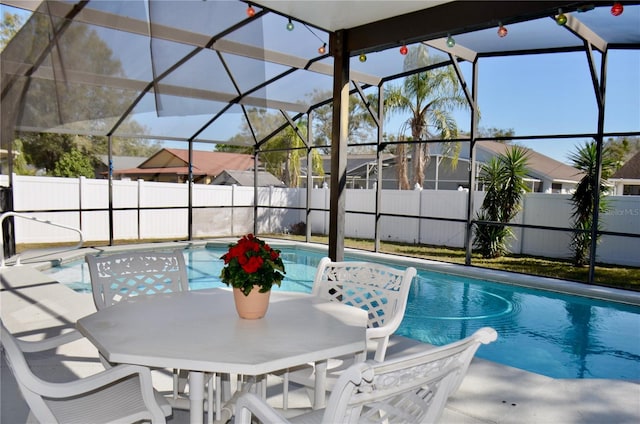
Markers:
<point>545,94</point>
<point>553,94</point>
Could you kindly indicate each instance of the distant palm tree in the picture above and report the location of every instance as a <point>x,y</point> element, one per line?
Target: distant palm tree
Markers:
<point>584,159</point>
<point>503,178</point>
<point>429,98</point>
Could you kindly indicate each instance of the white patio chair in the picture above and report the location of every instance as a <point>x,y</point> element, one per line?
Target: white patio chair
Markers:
<point>119,394</point>
<point>115,277</point>
<point>412,388</point>
<point>381,290</point>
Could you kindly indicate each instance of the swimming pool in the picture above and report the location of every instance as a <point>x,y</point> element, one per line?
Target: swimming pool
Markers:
<point>549,333</point>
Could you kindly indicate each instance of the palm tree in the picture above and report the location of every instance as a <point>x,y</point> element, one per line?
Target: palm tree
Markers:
<point>503,178</point>
<point>583,199</point>
<point>285,162</point>
<point>428,97</point>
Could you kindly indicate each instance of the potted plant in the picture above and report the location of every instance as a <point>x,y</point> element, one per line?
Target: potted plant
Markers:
<point>252,267</point>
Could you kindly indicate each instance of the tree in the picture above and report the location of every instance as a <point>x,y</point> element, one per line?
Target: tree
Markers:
<point>361,125</point>
<point>285,159</point>
<point>20,165</point>
<point>504,135</point>
<point>429,97</point>
<point>98,145</point>
<point>43,151</point>
<point>73,164</point>
<point>11,23</point>
<point>583,198</point>
<point>621,149</point>
<point>282,154</point>
<point>76,105</point>
<point>503,178</point>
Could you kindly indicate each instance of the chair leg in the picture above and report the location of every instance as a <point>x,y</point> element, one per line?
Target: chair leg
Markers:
<point>175,384</point>
<point>211,410</point>
<point>285,390</point>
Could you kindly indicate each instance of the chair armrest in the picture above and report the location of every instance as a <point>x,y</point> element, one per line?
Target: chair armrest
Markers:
<point>249,405</point>
<point>49,342</point>
<point>379,340</point>
<point>92,382</point>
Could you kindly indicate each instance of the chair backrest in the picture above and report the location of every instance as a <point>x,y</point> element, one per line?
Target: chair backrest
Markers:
<point>118,276</point>
<point>379,289</point>
<point>412,388</point>
<point>30,385</point>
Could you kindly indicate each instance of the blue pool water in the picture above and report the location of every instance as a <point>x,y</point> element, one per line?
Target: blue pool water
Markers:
<point>554,334</point>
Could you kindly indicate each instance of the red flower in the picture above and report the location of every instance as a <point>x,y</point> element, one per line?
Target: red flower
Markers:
<point>249,262</point>
<point>234,252</point>
<point>253,264</point>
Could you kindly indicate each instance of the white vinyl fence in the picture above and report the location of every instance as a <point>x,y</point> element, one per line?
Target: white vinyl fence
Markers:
<point>228,211</point>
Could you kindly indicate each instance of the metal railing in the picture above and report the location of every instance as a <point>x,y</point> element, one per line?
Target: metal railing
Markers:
<point>36,219</point>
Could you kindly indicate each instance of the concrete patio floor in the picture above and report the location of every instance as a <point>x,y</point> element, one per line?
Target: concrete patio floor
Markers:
<point>34,306</point>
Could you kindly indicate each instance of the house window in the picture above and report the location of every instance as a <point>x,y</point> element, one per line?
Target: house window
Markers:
<point>556,188</point>
<point>631,190</point>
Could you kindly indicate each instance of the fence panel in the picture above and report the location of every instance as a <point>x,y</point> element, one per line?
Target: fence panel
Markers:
<point>623,216</point>
<point>401,202</point>
<point>127,194</point>
<point>45,193</point>
<point>319,220</point>
<point>359,225</point>
<point>29,231</point>
<point>550,210</point>
<point>37,195</point>
<point>94,194</point>
<point>443,204</point>
<point>164,224</point>
<point>208,195</point>
<point>163,194</point>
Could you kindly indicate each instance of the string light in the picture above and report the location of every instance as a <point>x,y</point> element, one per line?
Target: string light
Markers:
<point>561,19</point>
<point>502,31</point>
<point>450,41</point>
<point>404,50</point>
<point>363,57</point>
<point>617,9</point>
<point>323,48</point>
<point>290,25</point>
<point>250,11</point>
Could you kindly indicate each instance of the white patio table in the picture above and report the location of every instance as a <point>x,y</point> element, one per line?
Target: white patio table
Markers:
<point>200,331</point>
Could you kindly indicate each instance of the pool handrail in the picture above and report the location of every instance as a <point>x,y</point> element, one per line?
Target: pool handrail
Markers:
<point>32,218</point>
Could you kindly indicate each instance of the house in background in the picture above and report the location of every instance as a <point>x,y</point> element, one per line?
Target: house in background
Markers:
<point>172,165</point>
<point>626,180</point>
<point>546,175</point>
<point>119,162</point>
<point>361,170</point>
<point>245,178</point>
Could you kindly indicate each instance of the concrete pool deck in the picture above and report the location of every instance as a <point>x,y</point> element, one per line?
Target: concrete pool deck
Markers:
<point>32,305</point>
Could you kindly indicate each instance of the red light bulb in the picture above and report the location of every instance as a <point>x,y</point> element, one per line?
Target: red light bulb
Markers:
<point>250,11</point>
<point>404,50</point>
<point>617,9</point>
<point>502,31</point>
<point>322,49</point>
